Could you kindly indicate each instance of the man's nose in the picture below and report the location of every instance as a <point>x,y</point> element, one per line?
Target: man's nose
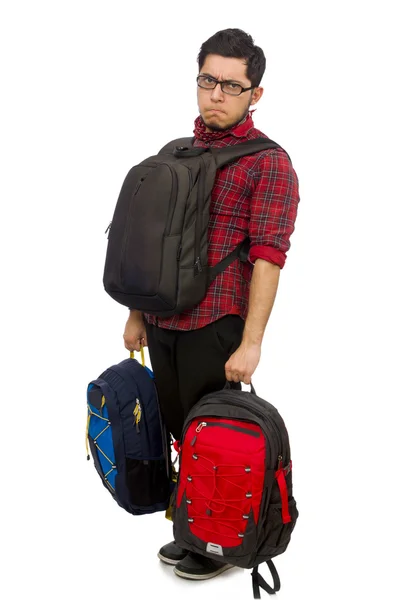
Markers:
<point>216,93</point>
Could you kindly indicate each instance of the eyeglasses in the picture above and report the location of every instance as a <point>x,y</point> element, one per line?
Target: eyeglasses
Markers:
<point>228,87</point>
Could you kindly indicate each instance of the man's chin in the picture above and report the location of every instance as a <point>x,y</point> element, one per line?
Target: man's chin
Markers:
<point>214,122</point>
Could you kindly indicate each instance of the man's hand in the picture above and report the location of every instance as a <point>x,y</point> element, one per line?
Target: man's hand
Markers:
<point>243,362</point>
<point>135,331</point>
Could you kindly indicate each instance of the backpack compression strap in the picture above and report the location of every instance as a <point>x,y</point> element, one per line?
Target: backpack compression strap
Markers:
<point>259,582</point>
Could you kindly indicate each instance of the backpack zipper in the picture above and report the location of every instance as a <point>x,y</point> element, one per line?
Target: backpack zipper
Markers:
<point>227,426</point>
<point>268,420</point>
<point>108,229</point>
<point>197,267</point>
<point>128,222</point>
<point>174,194</point>
<point>138,185</point>
<point>269,426</point>
<point>179,252</point>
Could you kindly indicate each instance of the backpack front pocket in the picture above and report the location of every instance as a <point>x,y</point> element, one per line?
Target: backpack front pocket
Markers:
<point>150,208</point>
<point>147,481</point>
<point>221,483</point>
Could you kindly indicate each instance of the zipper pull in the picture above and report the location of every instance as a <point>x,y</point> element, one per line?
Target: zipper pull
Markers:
<point>200,426</point>
<point>102,405</point>
<point>137,414</point>
<point>280,461</point>
<point>108,227</point>
<point>197,266</point>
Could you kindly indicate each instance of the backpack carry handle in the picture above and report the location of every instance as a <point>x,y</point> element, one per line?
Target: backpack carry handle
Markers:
<point>187,152</point>
<point>182,142</point>
<point>232,385</point>
<point>142,355</point>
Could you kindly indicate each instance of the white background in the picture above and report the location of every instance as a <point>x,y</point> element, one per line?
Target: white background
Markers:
<point>89,89</point>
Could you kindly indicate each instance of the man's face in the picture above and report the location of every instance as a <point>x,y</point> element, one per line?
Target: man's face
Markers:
<point>218,109</point>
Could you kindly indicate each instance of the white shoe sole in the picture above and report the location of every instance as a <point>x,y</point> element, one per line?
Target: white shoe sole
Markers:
<point>207,576</point>
<point>167,561</point>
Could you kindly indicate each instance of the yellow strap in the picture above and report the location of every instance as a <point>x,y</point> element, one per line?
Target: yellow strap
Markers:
<point>142,356</point>
<point>86,433</point>
<point>168,512</point>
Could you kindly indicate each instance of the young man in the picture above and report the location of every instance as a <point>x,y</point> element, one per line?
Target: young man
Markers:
<point>220,339</point>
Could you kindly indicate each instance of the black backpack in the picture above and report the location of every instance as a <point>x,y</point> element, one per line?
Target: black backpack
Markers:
<point>156,259</point>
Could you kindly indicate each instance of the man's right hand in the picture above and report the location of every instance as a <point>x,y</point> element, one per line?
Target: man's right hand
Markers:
<point>135,332</point>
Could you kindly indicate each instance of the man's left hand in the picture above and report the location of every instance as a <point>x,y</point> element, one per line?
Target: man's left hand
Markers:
<point>242,363</point>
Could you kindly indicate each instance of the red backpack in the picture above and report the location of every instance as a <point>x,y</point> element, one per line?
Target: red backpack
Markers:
<point>233,501</point>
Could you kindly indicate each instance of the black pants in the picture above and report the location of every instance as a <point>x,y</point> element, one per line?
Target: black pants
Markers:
<point>189,364</point>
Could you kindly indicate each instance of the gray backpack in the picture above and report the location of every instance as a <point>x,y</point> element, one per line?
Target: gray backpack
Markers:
<point>156,259</point>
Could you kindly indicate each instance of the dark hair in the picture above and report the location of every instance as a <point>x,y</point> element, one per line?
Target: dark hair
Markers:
<point>235,43</point>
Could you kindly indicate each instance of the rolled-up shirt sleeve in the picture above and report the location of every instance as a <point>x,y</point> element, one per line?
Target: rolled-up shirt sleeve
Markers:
<point>274,206</point>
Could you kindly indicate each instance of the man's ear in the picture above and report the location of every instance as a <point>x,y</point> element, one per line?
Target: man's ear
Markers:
<point>256,95</point>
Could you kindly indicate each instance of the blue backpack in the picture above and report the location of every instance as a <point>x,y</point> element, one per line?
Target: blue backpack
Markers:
<point>127,438</point>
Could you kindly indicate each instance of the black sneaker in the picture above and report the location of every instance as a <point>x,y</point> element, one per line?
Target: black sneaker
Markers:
<point>172,553</point>
<point>195,566</point>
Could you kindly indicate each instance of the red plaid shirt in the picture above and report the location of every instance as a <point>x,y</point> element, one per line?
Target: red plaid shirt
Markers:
<point>256,195</point>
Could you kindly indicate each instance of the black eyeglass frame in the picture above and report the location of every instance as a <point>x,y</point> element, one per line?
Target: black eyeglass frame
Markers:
<point>221,84</point>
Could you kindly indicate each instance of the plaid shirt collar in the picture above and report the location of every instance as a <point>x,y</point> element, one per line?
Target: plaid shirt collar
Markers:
<point>238,131</point>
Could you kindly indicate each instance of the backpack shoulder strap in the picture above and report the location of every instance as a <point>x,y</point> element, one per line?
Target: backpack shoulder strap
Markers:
<point>259,582</point>
<point>224,156</point>
<point>186,142</point>
<point>241,251</point>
